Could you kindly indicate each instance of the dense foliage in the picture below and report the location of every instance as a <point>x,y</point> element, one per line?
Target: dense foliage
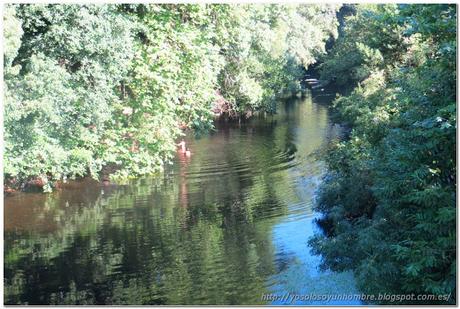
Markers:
<point>110,87</point>
<point>390,197</point>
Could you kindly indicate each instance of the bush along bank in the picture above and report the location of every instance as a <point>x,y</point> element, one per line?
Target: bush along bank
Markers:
<point>91,88</point>
<point>389,199</point>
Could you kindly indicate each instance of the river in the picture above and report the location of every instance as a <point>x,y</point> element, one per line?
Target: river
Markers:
<point>227,225</point>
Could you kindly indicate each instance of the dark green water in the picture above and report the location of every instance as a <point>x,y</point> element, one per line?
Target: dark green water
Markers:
<point>225,226</point>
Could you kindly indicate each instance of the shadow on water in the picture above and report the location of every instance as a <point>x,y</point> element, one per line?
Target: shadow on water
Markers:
<point>224,226</point>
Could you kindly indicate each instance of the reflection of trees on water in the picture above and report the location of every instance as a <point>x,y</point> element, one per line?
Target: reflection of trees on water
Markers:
<point>183,166</point>
<point>138,241</point>
<point>202,235</point>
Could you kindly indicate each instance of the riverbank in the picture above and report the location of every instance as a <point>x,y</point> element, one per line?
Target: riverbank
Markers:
<point>391,189</point>
<point>222,113</point>
<point>114,85</point>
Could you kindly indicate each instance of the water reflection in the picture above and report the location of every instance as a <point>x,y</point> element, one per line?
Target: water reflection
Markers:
<point>224,226</point>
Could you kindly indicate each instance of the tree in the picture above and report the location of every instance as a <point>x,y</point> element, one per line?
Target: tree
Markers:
<point>105,90</point>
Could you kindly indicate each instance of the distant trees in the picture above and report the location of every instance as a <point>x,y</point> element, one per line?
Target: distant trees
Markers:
<point>389,198</point>
<point>270,47</point>
<point>93,86</point>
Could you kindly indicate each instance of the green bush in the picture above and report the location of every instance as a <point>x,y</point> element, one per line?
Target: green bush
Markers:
<point>390,196</point>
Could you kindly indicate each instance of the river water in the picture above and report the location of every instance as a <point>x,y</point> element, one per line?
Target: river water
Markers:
<point>228,225</point>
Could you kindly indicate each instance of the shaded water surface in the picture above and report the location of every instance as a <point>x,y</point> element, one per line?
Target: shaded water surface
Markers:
<point>225,226</point>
